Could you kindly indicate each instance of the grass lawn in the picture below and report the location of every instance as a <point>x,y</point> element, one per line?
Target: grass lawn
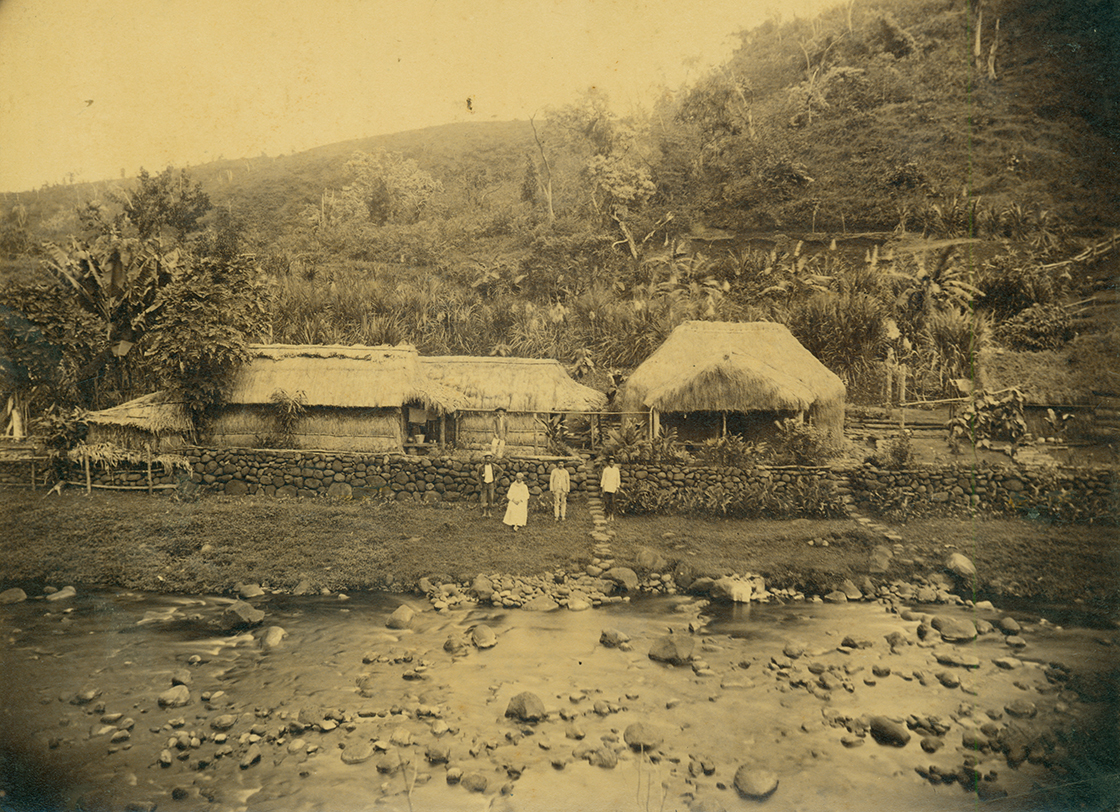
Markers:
<point>156,543</point>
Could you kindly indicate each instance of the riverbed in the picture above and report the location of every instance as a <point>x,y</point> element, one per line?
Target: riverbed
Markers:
<point>323,707</point>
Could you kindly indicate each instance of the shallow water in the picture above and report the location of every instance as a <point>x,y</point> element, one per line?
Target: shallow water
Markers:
<point>741,709</point>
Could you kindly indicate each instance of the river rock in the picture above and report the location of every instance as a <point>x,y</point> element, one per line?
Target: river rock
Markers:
<point>175,697</point>
<point>296,746</point>
<point>251,757</point>
<point>578,602</point>
<point>604,757</point>
<point>62,594</point>
<point>302,588</point>
<point>223,722</point>
<point>961,566</point>
<point>541,603</point>
<point>1015,641</point>
<point>643,737</point>
<point>755,782</point>
<point>1021,709</point>
<point>957,658</point>
<point>438,753</point>
<point>401,617</point>
<point>401,737</point>
<point>650,560</point>
<point>1008,663</point>
<point>953,629</point>
<point>358,752</point>
<point>731,589</point>
<point>527,707</point>
<point>247,591</point>
<point>888,731</point>
<point>613,638</point>
<point>238,615</point>
<point>483,636</point>
<point>272,638</point>
<point>675,649</point>
<point>482,587</point>
<point>948,679</point>
<point>1009,625</point>
<point>836,596</point>
<point>851,591</point>
<point>13,595</point>
<point>473,781</point>
<point>624,577</point>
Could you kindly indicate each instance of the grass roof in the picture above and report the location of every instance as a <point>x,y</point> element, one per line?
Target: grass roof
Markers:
<point>330,375</point>
<point>154,412</point>
<point>733,367</point>
<point>514,384</point>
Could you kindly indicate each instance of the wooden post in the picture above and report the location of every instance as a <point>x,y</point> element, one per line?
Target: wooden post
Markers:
<point>89,480</point>
<point>148,454</point>
<point>32,473</point>
<point>442,429</point>
<point>724,415</point>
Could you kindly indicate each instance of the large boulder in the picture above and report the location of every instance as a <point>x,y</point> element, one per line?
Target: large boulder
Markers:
<point>13,595</point>
<point>62,594</point>
<point>888,731</point>
<point>239,615</point>
<point>541,603</point>
<point>175,697</point>
<point>954,629</point>
<point>650,560</point>
<point>755,782</point>
<point>643,737</point>
<point>675,649</point>
<point>401,617</point>
<point>731,589</point>
<point>961,566</point>
<point>482,587</point>
<point>526,707</point>
<point>624,577</point>
<point>483,636</point>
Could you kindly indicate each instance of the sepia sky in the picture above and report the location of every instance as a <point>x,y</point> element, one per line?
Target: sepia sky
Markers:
<point>91,87</point>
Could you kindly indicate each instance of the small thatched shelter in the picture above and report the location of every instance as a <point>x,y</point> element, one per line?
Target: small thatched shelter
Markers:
<point>526,388</point>
<point>153,422</point>
<point>711,378</point>
<point>335,397</point>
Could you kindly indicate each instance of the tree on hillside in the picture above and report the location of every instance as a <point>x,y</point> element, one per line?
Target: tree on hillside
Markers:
<point>391,187</point>
<point>166,200</point>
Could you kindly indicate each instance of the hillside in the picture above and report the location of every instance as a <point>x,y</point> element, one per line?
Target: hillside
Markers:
<point>868,177</point>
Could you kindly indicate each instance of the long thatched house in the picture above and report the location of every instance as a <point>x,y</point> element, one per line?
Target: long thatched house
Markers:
<point>527,389</point>
<point>152,422</point>
<point>328,397</point>
<point>714,378</point>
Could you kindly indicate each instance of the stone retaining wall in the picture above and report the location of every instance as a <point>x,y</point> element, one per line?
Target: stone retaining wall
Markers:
<point>1082,492</point>
<point>990,488</point>
<point>399,476</point>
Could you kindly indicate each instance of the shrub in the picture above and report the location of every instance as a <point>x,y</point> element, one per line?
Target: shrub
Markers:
<point>990,417</point>
<point>804,444</point>
<point>1039,327</point>
<point>732,451</point>
<point>896,453</point>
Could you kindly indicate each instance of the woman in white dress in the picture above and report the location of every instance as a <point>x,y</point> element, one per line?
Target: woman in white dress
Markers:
<point>517,512</point>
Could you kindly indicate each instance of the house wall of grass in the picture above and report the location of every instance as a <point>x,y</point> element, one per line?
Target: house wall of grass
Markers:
<point>342,429</point>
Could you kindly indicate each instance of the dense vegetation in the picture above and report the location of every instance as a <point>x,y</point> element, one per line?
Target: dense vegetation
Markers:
<point>895,182</point>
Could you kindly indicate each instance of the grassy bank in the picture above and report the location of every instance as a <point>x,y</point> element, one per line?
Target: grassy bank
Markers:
<point>156,543</point>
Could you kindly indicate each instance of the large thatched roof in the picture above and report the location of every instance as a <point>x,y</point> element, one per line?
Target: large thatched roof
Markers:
<point>514,384</point>
<point>340,376</point>
<point>156,413</point>
<point>731,367</point>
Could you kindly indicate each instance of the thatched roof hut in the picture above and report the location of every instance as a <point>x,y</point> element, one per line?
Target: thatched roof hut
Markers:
<point>523,387</point>
<point>736,368</point>
<point>513,384</point>
<point>339,376</point>
<point>153,420</point>
<point>352,398</point>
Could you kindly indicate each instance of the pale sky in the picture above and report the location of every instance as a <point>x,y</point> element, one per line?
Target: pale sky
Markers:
<point>91,87</point>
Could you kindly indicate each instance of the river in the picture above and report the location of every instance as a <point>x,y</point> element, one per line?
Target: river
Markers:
<point>787,690</point>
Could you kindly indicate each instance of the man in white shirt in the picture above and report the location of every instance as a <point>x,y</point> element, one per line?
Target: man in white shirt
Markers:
<point>487,474</point>
<point>560,484</point>
<point>609,484</point>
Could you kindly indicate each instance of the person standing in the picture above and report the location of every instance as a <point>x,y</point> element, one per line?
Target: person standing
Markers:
<point>609,483</point>
<point>501,428</point>
<point>560,483</point>
<point>486,474</point>
<point>517,512</point>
